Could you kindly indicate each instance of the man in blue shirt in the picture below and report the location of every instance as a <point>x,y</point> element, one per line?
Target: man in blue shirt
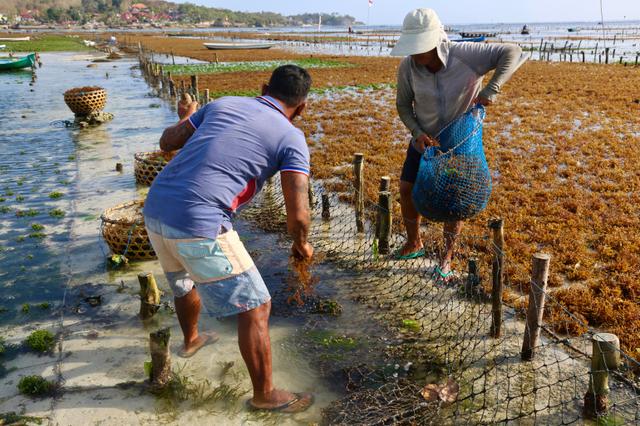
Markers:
<point>228,149</point>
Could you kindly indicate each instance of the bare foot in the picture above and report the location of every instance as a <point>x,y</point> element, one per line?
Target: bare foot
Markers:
<point>283,402</point>
<point>202,340</point>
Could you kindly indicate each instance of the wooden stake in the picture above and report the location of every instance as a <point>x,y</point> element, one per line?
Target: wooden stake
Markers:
<point>358,172</point>
<point>606,55</point>
<point>326,207</point>
<point>119,167</point>
<point>194,86</point>
<point>497,228</point>
<point>384,221</point>
<point>149,295</point>
<point>206,99</point>
<point>160,358</point>
<point>537,293</point>
<point>312,195</point>
<point>385,183</point>
<point>473,278</point>
<point>605,357</point>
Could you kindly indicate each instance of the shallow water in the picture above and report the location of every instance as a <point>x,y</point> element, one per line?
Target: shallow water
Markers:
<point>42,158</point>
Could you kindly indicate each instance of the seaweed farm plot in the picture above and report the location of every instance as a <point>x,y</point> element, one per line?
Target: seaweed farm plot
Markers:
<point>223,67</point>
<point>452,367</point>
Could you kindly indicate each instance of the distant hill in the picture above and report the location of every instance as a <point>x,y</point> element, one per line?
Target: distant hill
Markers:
<point>121,12</point>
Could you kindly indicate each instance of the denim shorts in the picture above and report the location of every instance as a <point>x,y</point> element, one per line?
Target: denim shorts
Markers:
<point>228,281</point>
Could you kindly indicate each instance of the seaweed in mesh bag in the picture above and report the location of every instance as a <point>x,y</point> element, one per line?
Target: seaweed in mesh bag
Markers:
<point>454,182</point>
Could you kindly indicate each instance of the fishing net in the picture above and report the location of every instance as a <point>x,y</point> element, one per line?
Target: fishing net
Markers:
<point>454,182</point>
<point>419,350</point>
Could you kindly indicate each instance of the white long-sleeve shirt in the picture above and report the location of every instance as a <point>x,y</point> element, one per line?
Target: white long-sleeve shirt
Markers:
<point>427,101</point>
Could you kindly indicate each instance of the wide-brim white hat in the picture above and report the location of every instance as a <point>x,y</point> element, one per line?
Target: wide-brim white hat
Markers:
<point>421,32</point>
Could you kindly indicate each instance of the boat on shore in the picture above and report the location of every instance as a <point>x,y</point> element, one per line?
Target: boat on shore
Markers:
<point>15,38</point>
<point>2,46</point>
<point>476,35</point>
<point>238,46</point>
<point>472,39</point>
<point>9,64</point>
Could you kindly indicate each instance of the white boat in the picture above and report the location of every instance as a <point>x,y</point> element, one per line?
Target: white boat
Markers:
<point>238,46</point>
<point>15,38</point>
<point>2,46</point>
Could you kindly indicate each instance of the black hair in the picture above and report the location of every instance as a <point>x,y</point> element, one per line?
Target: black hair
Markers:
<point>290,84</point>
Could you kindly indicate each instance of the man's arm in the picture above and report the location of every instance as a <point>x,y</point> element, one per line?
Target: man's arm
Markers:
<point>295,187</point>
<point>176,136</point>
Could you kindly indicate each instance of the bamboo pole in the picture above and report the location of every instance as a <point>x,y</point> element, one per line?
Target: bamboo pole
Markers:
<point>605,357</point>
<point>160,358</point>
<point>535,310</point>
<point>206,98</point>
<point>385,183</point>
<point>149,295</point>
<point>497,228</point>
<point>358,174</point>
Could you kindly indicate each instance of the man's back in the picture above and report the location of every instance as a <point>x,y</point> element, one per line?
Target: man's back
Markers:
<point>237,145</point>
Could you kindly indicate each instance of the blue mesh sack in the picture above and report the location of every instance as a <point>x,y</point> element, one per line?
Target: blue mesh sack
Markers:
<point>454,182</point>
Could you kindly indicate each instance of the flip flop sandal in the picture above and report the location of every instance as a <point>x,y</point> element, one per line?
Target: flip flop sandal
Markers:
<point>414,255</point>
<point>283,408</point>
<point>446,277</point>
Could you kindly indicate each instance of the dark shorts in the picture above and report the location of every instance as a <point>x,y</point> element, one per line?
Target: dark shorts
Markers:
<point>411,165</point>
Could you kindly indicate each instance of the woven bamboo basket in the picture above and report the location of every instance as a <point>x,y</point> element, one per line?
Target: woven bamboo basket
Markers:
<point>147,165</point>
<point>124,231</point>
<point>85,100</point>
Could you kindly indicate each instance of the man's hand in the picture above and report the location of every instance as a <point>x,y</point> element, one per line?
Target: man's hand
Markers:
<point>424,141</point>
<point>186,109</point>
<point>302,251</point>
<point>482,101</point>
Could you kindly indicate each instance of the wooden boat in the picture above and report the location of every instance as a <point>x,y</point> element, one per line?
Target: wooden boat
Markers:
<point>525,30</point>
<point>476,35</point>
<point>573,30</point>
<point>7,64</point>
<point>238,46</point>
<point>472,40</point>
<point>15,38</point>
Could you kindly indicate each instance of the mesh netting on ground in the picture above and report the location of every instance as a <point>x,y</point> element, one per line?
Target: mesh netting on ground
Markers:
<point>446,332</point>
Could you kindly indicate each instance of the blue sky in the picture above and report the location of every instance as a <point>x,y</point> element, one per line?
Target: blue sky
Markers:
<point>451,11</point>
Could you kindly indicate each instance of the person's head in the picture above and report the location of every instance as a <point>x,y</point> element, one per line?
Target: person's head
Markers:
<point>422,33</point>
<point>428,59</point>
<point>290,84</point>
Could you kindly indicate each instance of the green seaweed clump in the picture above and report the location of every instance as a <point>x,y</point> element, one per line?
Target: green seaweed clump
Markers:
<point>330,340</point>
<point>328,307</point>
<point>55,194</point>
<point>411,325</point>
<point>13,418</point>
<point>41,341</point>
<point>57,213</point>
<point>3,347</point>
<point>25,308</point>
<point>35,386</point>
<point>117,261</point>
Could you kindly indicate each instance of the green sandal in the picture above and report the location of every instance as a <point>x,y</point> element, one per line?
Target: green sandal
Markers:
<point>445,276</point>
<point>414,255</point>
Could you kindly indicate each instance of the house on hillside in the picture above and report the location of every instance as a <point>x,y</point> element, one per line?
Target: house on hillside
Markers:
<point>139,8</point>
<point>27,17</point>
